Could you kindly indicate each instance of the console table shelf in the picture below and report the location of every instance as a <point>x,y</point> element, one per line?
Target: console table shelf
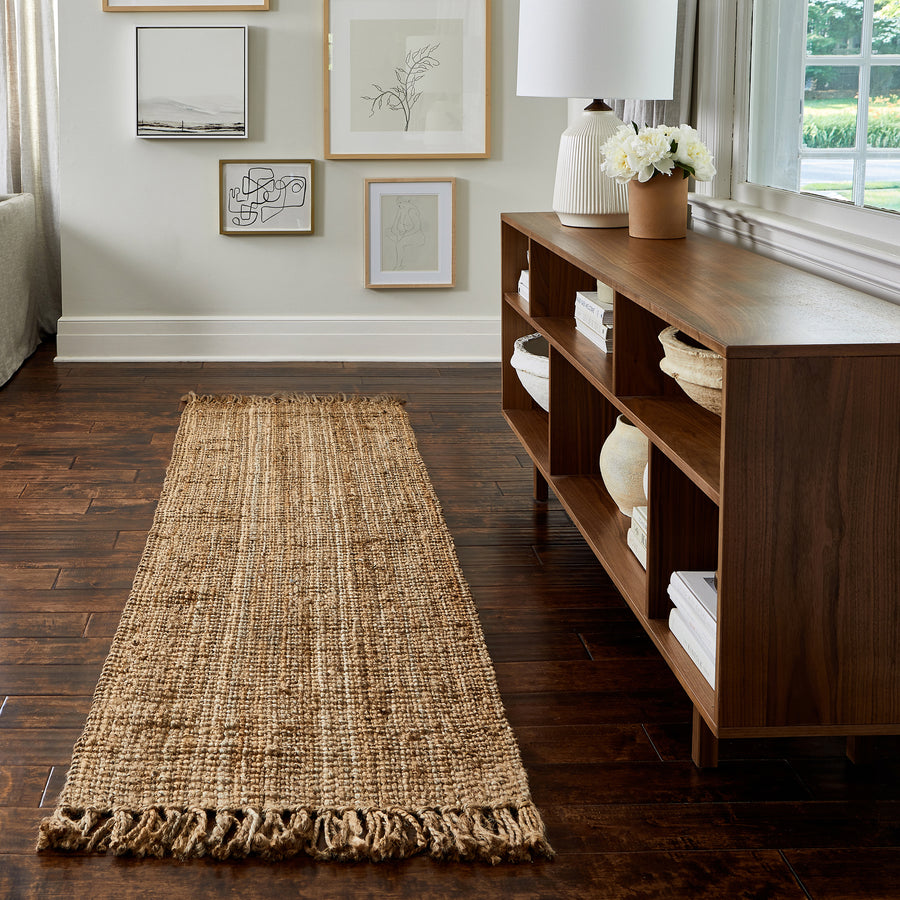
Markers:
<point>791,496</point>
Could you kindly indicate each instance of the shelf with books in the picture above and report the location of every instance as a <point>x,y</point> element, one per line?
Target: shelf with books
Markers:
<point>806,438</point>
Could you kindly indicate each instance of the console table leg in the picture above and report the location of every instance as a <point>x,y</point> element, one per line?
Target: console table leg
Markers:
<point>704,744</point>
<point>541,491</point>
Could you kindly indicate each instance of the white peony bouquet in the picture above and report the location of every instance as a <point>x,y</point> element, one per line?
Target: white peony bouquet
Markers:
<point>643,153</point>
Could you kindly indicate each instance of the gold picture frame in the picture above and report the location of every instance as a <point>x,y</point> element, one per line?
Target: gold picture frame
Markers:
<point>410,232</point>
<point>400,85</point>
<point>195,6</point>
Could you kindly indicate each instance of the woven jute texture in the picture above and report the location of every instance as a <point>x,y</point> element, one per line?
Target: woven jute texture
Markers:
<point>299,667</point>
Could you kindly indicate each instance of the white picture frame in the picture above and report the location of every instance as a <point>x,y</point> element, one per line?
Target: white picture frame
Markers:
<point>410,232</point>
<point>192,6</point>
<point>191,81</point>
<point>268,196</point>
<point>407,79</point>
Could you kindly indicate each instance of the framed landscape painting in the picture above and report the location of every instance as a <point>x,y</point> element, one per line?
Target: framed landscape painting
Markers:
<point>272,196</point>
<point>191,6</point>
<point>407,79</point>
<point>192,82</point>
<point>410,232</point>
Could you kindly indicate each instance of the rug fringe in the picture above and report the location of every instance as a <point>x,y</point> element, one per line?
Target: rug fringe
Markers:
<point>503,834</point>
<point>290,397</point>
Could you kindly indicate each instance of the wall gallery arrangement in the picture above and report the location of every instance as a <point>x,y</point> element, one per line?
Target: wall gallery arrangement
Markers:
<point>266,196</point>
<point>404,79</point>
<point>410,232</point>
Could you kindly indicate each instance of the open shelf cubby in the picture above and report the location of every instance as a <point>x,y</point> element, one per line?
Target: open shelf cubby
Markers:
<point>790,495</point>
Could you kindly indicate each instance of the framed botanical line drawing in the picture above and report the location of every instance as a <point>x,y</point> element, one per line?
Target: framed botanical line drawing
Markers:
<point>190,6</point>
<point>191,82</point>
<point>273,196</point>
<point>410,232</point>
<point>407,79</point>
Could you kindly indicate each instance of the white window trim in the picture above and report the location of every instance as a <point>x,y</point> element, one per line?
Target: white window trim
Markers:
<point>858,247</point>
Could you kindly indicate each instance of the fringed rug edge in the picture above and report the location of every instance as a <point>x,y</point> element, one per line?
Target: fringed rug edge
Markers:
<point>495,835</point>
<point>291,397</point>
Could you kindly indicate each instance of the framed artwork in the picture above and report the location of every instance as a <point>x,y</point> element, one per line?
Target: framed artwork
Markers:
<point>192,6</point>
<point>192,82</point>
<point>407,79</point>
<point>273,196</point>
<point>410,232</point>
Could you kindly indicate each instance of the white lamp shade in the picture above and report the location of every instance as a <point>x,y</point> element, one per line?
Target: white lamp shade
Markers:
<point>597,48</point>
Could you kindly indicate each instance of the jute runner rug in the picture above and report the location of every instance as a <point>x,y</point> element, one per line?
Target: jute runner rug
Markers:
<point>299,668</point>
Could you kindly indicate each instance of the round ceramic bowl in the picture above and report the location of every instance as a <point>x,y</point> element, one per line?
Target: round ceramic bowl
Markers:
<point>531,360</point>
<point>697,369</point>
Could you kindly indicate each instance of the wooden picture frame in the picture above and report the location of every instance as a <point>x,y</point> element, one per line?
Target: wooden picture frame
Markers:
<point>191,81</point>
<point>193,6</point>
<point>410,232</point>
<point>407,79</point>
<point>269,196</point>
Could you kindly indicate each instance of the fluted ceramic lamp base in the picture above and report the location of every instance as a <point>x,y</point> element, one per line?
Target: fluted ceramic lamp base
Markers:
<point>583,196</point>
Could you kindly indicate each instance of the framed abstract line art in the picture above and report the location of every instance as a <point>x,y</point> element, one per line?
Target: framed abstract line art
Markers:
<point>191,6</point>
<point>407,79</point>
<point>192,82</point>
<point>273,196</point>
<point>410,232</point>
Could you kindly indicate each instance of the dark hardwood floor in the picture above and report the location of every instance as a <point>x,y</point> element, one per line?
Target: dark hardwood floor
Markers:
<point>603,726</point>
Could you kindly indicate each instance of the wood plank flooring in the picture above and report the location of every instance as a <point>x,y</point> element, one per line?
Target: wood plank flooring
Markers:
<point>603,726</point>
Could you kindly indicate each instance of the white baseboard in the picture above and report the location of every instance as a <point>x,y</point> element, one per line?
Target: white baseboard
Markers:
<point>239,338</point>
<point>865,264</point>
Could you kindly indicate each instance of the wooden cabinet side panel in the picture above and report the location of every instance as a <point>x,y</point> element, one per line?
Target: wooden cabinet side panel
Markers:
<point>513,258</point>
<point>638,351</point>
<point>512,327</point>
<point>554,283</point>
<point>809,618</point>
<point>580,420</point>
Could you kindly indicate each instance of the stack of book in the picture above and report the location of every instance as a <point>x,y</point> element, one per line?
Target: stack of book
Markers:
<point>692,621</point>
<point>594,318</point>
<point>637,534</point>
<point>523,284</point>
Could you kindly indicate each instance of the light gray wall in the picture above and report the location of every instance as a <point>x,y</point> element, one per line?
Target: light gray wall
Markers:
<point>146,273</point>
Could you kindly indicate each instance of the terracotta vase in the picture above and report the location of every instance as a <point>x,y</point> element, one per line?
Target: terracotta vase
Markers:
<point>623,457</point>
<point>658,208</point>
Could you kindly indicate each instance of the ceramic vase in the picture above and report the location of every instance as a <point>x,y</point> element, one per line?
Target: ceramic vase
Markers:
<point>658,208</point>
<point>622,461</point>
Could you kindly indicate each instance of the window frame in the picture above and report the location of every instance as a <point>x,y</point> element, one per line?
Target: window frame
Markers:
<point>854,245</point>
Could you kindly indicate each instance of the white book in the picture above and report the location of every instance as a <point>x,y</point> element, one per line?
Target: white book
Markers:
<point>682,633</point>
<point>691,610</point>
<point>594,307</point>
<point>639,517</point>
<point>703,586</point>
<point>604,343</point>
<point>636,547</point>
<point>704,635</point>
<point>524,284</point>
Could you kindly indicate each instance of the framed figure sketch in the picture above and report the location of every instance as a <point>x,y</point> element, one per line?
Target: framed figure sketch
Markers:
<point>407,79</point>
<point>410,232</point>
<point>273,196</point>
<point>192,82</point>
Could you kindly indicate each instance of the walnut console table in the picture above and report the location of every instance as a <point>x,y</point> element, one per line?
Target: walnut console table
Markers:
<point>793,495</point>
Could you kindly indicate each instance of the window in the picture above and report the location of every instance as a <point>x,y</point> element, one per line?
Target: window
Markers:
<point>824,115</point>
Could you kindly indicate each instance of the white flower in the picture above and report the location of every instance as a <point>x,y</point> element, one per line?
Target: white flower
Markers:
<point>630,153</point>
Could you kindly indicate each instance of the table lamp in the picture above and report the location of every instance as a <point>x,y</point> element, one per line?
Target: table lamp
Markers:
<point>591,48</point>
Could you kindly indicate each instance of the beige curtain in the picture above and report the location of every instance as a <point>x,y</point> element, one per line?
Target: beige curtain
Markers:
<point>678,109</point>
<point>29,134</point>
